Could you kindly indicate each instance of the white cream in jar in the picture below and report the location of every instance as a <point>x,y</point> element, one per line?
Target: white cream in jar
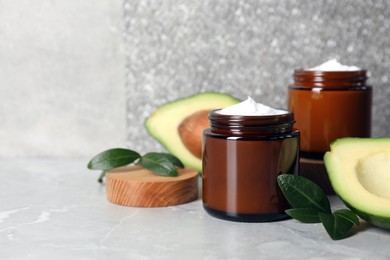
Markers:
<point>249,107</point>
<point>333,65</point>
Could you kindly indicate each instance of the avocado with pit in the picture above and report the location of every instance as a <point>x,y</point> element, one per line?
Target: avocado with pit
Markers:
<point>359,171</point>
<point>179,125</point>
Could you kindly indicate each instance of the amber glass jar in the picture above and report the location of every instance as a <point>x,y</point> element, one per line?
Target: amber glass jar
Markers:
<point>328,105</point>
<point>242,157</point>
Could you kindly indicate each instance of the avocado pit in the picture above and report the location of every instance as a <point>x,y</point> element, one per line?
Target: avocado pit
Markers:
<point>191,129</point>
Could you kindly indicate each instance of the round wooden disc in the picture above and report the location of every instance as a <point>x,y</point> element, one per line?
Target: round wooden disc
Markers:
<point>135,186</point>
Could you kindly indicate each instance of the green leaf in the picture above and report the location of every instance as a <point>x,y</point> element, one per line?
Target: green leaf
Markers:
<point>337,227</point>
<point>303,193</point>
<point>306,215</point>
<point>158,164</point>
<point>113,158</point>
<point>101,176</point>
<point>348,215</point>
<point>173,159</point>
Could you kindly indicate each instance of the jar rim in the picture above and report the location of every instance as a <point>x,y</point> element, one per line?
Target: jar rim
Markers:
<point>247,120</point>
<point>305,72</point>
<point>330,79</point>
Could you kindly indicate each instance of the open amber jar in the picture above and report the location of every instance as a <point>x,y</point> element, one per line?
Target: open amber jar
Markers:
<point>328,105</point>
<point>242,157</point>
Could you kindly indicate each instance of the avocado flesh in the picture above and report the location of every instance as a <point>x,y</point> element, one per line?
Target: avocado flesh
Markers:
<point>359,171</point>
<point>374,174</point>
<point>164,122</point>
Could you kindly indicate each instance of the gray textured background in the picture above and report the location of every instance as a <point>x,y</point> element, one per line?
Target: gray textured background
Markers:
<point>62,88</point>
<point>67,69</point>
<point>177,48</point>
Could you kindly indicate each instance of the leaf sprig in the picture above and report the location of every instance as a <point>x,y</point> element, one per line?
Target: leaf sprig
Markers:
<point>163,164</point>
<point>311,205</point>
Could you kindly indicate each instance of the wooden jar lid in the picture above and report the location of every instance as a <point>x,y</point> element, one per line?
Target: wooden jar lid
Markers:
<point>138,187</point>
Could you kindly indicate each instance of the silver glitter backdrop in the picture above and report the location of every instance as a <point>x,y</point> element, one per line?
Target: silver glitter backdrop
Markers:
<point>176,48</point>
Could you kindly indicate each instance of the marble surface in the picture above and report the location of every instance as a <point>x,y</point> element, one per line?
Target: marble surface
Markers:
<point>56,209</point>
<point>178,48</point>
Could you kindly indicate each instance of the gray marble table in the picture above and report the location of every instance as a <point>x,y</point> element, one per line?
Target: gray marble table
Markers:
<point>55,209</point>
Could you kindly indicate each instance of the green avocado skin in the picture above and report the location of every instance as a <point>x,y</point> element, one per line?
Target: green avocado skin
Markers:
<point>378,221</point>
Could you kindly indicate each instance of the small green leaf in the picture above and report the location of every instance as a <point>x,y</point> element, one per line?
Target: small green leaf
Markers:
<point>303,193</point>
<point>311,205</point>
<point>306,215</point>
<point>113,158</point>
<point>101,176</point>
<point>337,227</point>
<point>158,164</point>
<point>173,159</point>
<point>348,215</point>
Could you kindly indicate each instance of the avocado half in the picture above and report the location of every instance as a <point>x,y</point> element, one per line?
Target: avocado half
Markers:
<point>359,171</point>
<point>178,125</point>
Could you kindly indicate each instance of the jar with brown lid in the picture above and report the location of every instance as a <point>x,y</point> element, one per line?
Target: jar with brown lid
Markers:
<point>242,157</point>
<point>328,105</point>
